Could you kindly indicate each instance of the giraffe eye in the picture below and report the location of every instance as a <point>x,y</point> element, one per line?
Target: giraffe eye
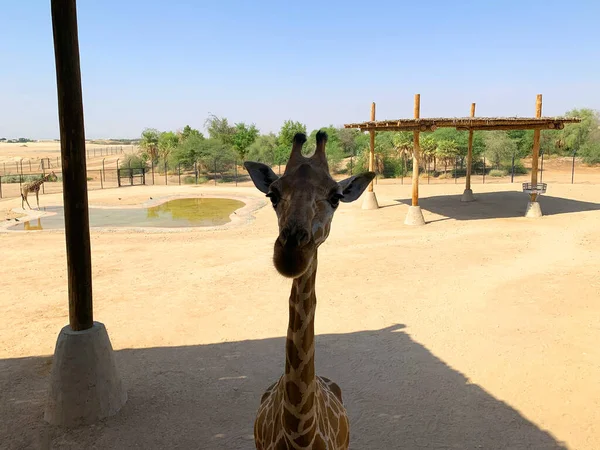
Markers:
<point>334,200</point>
<point>274,198</point>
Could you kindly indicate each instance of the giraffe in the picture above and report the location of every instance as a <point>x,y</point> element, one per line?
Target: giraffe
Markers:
<point>34,186</point>
<point>302,410</point>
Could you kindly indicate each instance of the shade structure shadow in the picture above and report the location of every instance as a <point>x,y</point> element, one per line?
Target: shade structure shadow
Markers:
<point>498,205</point>
<point>398,395</point>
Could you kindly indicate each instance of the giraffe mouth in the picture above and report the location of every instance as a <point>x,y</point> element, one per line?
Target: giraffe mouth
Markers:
<point>292,261</point>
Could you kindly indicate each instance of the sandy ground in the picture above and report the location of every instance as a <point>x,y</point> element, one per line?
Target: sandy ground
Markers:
<point>477,331</point>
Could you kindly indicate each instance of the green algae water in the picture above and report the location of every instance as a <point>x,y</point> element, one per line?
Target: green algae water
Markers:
<point>182,212</point>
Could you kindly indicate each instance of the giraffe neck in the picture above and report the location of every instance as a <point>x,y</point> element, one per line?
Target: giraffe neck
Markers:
<point>300,381</point>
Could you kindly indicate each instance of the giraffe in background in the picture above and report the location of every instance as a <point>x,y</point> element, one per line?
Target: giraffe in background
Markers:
<point>302,410</point>
<point>34,186</point>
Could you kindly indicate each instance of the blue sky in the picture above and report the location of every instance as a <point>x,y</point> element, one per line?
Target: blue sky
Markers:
<point>167,64</point>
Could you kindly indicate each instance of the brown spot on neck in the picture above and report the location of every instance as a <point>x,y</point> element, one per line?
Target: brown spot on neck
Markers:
<point>299,392</point>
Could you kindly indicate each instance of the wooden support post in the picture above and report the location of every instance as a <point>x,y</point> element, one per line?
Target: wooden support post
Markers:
<point>468,193</point>
<point>536,147</point>
<point>370,200</point>
<point>372,147</point>
<point>72,142</point>
<point>470,151</point>
<point>416,154</point>
<point>84,384</point>
<point>414,215</point>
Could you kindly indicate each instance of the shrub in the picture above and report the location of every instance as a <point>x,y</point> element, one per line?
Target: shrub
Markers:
<point>519,168</point>
<point>134,161</point>
<point>393,168</point>
<point>498,173</point>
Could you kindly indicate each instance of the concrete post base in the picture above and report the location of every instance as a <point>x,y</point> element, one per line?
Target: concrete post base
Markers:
<point>370,201</point>
<point>467,196</point>
<point>85,385</point>
<point>533,210</point>
<point>414,216</point>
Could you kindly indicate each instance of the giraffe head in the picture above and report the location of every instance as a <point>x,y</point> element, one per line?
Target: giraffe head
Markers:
<point>305,198</point>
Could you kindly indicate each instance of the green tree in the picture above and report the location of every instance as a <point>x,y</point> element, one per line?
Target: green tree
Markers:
<point>149,143</point>
<point>499,147</point>
<point>219,128</point>
<point>575,135</point>
<point>428,149</point>
<point>167,142</point>
<point>189,151</point>
<point>243,138</point>
<point>447,150</point>
<point>288,131</point>
<point>189,132</point>
<point>263,149</point>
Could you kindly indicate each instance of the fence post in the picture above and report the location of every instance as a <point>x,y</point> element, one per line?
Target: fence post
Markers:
<point>235,171</point>
<point>118,163</point>
<point>152,169</point>
<point>43,174</point>
<point>512,170</point>
<point>215,171</point>
<point>455,168</point>
<point>542,168</point>
<point>179,173</point>
<point>101,172</point>
<point>484,170</point>
<point>57,164</point>
<point>573,167</point>
<point>196,170</point>
<point>166,181</point>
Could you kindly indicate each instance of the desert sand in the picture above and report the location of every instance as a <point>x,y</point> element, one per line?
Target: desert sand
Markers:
<point>478,330</point>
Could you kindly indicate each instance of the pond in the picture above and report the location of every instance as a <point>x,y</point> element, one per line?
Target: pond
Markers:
<point>182,212</point>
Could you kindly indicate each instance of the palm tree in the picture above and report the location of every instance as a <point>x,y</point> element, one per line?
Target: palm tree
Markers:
<point>149,143</point>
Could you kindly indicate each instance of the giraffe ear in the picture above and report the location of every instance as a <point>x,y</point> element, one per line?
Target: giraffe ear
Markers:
<point>353,187</point>
<point>261,175</point>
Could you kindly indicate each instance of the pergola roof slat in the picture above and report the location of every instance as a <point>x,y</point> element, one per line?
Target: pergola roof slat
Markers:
<point>466,123</point>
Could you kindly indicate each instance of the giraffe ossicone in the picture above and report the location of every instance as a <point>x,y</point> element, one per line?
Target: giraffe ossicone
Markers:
<point>302,410</point>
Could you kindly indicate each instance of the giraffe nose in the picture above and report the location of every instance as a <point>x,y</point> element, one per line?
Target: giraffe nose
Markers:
<point>294,237</point>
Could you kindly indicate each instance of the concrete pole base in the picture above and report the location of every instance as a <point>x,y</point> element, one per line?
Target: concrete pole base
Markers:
<point>85,385</point>
<point>370,201</point>
<point>414,216</point>
<point>467,196</point>
<point>533,210</point>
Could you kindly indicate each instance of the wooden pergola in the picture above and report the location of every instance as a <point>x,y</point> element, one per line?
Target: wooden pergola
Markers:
<point>470,124</point>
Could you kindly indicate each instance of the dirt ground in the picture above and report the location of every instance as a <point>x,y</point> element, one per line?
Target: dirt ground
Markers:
<point>476,331</point>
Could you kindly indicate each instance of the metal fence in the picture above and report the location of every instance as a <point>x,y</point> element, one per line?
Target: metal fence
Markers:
<point>222,171</point>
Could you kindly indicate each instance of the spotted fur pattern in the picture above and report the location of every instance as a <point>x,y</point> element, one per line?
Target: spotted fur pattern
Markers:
<point>34,186</point>
<point>301,410</point>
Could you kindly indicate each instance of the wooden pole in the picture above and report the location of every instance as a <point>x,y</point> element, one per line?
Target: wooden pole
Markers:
<point>72,143</point>
<point>470,152</point>
<point>416,155</point>
<point>372,147</point>
<point>536,147</point>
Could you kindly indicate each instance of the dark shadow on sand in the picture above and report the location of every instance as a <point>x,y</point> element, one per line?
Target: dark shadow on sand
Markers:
<point>498,205</point>
<point>398,394</point>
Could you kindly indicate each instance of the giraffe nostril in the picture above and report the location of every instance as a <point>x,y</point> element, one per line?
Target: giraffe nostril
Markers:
<point>284,235</point>
<point>302,237</point>
<point>294,237</point>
